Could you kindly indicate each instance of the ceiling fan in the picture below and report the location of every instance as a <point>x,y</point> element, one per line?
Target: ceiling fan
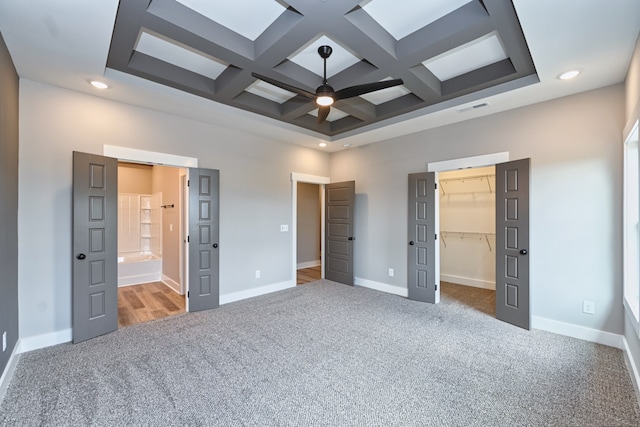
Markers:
<point>325,96</point>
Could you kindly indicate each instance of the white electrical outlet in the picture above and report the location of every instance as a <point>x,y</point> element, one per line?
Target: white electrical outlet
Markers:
<point>589,307</point>
<point>284,227</point>
<point>257,274</point>
<point>391,272</point>
<point>4,340</point>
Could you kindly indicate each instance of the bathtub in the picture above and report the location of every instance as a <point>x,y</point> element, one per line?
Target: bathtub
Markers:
<point>136,268</point>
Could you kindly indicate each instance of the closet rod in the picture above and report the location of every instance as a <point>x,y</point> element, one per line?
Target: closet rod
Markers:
<point>469,234</point>
<point>468,178</point>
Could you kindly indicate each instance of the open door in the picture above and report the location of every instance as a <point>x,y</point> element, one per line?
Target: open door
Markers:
<point>204,267</point>
<point>512,243</point>
<point>421,259</point>
<point>95,246</point>
<point>339,234</point>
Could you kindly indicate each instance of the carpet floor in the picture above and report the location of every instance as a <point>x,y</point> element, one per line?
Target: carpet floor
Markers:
<point>324,354</point>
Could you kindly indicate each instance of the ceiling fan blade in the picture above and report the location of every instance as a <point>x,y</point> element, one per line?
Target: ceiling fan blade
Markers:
<point>350,92</point>
<point>323,113</point>
<point>285,86</point>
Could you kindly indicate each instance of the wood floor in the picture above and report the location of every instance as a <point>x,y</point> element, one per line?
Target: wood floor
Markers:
<point>306,275</point>
<point>483,300</point>
<point>149,301</point>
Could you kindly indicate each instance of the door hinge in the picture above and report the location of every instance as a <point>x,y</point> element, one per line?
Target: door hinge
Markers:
<point>187,294</point>
<point>188,183</point>
<point>436,237</point>
<point>436,287</point>
<point>436,184</point>
<point>187,239</point>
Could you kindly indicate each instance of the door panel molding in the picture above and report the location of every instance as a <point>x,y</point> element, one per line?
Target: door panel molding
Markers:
<point>512,243</point>
<point>340,233</point>
<point>95,247</point>
<point>422,282</point>
<point>204,261</point>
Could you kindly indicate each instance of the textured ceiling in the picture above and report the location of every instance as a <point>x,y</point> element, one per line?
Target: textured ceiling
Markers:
<point>441,49</point>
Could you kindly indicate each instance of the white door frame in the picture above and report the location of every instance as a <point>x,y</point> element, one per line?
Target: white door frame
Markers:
<point>309,179</point>
<point>161,159</point>
<point>456,164</point>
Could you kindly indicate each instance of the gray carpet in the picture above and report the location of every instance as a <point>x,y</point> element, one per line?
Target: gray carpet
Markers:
<point>324,354</point>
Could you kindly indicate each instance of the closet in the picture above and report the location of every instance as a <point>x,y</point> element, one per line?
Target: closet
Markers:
<point>467,227</point>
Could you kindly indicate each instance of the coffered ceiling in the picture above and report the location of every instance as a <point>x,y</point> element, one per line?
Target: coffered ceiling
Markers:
<point>441,49</point>
<point>68,43</point>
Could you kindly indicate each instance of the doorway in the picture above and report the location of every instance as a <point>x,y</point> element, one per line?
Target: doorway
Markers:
<point>95,232</point>
<point>512,296</point>
<point>308,233</point>
<point>150,242</point>
<point>467,237</point>
<point>307,182</point>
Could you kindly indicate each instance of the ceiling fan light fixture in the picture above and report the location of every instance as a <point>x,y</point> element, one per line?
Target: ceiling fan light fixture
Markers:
<point>324,101</point>
<point>324,95</point>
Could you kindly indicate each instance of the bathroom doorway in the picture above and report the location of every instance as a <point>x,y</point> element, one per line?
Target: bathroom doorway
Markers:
<point>151,235</point>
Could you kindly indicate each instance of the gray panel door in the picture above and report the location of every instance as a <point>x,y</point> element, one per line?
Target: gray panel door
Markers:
<point>421,259</point>
<point>339,235</point>
<point>95,246</point>
<point>512,243</point>
<point>204,281</point>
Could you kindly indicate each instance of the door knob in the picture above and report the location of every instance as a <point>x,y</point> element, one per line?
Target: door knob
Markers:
<point>215,246</point>
<point>81,256</point>
<point>411,243</point>
<point>523,252</point>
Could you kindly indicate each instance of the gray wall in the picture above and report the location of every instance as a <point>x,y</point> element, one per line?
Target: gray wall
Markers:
<point>308,236</point>
<point>8,203</point>
<point>632,98</point>
<point>575,148</point>
<point>255,191</point>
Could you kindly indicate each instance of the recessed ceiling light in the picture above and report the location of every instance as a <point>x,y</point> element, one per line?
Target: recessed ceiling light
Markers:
<point>323,144</point>
<point>98,84</point>
<point>568,75</point>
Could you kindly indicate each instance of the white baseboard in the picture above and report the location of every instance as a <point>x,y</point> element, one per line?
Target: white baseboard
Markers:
<point>468,281</point>
<point>308,264</point>
<point>45,340</point>
<point>250,293</point>
<point>171,283</point>
<point>575,331</point>
<point>382,287</point>
<point>5,379</point>
<point>632,367</point>
<point>139,279</point>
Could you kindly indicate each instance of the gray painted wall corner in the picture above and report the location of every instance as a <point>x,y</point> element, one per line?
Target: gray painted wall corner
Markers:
<point>9,206</point>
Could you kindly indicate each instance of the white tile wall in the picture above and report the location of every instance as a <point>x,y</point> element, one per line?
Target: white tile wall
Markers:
<point>140,223</point>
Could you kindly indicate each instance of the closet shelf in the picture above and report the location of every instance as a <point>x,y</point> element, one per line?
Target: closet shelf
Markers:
<point>467,235</point>
<point>487,178</point>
